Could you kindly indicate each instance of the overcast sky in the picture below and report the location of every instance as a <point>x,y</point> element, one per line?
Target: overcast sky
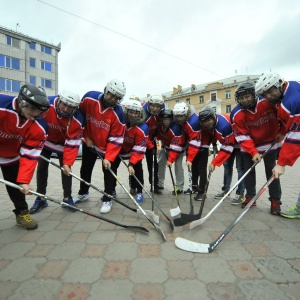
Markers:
<point>154,45</point>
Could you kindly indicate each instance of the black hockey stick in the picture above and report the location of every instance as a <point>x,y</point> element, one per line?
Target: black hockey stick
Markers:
<point>136,228</point>
<point>202,220</point>
<point>153,201</point>
<point>130,196</point>
<point>148,212</point>
<point>191,246</point>
<point>188,218</point>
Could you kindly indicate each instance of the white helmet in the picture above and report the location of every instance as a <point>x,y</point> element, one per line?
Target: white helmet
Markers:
<point>156,99</point>
<point>133,105</point>
<point>266,81</point>
<point>180,109</point>
<point>69,98</point>
<point>116,87</point>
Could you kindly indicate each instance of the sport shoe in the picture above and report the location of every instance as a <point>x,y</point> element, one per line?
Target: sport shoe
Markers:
<point>106,207</point>
<point>292,213</point>
<point>81,198</point>
<point>70,202</point>
<point>139,198</point>
<point>188,191</point>
<point>24,219</point>
<point>239,199</point>
<point>275,207</point>
<point>198,197</point>
<point>221,195</point>
<point>38,205</point>
<point>178,192</point>
<point>247,200</point>
<point>132,192</point>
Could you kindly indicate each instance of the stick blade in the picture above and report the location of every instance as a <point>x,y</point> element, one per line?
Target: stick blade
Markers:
<point>150,214</point>
<point>191,246</point>
<point>197,223</point>
<point>185,219</point>
<point>175,211</point>
<point>138,229</point>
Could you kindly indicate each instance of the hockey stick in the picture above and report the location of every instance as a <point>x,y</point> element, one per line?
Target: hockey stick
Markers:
<point>148,212</point>
<point>153,201</point>
<point>187,218</point>
<point>191,246</point>
<point>152,185</point>
<point>130,196</point>
<point>201,221</point>
<point>191,188</point>
<point>136,228</point>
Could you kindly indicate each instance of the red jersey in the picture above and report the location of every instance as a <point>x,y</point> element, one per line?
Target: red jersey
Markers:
<point>104,126</point>
<point>64,134</point>
<point>21,140</point>
<point>256,130</point>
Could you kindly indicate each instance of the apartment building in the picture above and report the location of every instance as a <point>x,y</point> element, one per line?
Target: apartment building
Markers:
<point>24,59</point>
<point>217,94</point>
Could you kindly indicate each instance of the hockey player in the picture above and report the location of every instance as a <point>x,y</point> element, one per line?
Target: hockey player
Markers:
<point>153,107</point>
<point>22,137</point>
<point>220,126</point>
<point>104,135</point>
<point>65,122</point>
<point>255,128</point>
<point>169,132</point>
<point>286,96</point>
<point>134,146</point>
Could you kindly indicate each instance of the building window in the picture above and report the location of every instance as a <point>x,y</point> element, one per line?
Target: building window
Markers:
<point>188,101</point>
<point>12,42</point>
<point>9,62</point>
<point>46,49</point>
<point>46,83</point>
<point>201,99</point>
<point>9,85</point>
<point>228,94</point>
<point>32,79</point>
<point>228,109</point>
<point>32,45</point>
<point>32,62</point>
<point>46,66</point>
<point>176,101</point>
<point>213,96</point>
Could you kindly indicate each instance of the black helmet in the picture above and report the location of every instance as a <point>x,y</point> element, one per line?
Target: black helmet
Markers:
<point>245,88</point>
<point>34,96</point>
<point>167,114</point>
<point>206,113</point>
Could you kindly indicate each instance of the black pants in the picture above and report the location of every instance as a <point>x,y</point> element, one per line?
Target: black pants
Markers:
<point>42,175</point>
<point>149,159</point>
<point>10,173</point>
<point>87,165</point>
<point>250,179</point>
<point>199,169</point>
<point>139,174</point>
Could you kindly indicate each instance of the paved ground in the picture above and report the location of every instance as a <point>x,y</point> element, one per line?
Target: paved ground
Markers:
<point>75,256</point>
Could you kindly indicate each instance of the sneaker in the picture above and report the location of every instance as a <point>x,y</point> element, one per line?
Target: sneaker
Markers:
<point>160,187</point>
<point>239,199</point>
<point>132,192</point>
<point>247,200</point>
<point>70,202</point>
<point>178,192</point>
<point>24,219</point>
<point>198,197</point>
<point>81,198</point>
<point>106,207</point>
<point>292,213</point>
<point>156,191</point>
<point>38,205</point>
<point>139,198</point>
<point>221,195</point>
<point>275,207</point>
<point>189,191</point>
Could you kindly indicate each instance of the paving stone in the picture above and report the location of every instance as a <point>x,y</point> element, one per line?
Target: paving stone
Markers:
<point>148,291</point>
<point>232,251</point>
<point>148,250</point>
<point>181,270</point>
<point>213,270</point>
<point>66,251</point>
<point>261,289</point>
<point>54,237</point>
<point>116,270</point>
<point>276,269</point>
<point>94,250</point>
<point>121,251</point>
<point>52,269</point>
<point>101,237</point>
<point>280,249</point>
<point>291,290</point>
<point>40,251</point>
<point>15,250</point>
<point>244,269</point>
<point>7,289</point>
<point>107,289</point>
<point>73,292</point>
<point>246,236</point>
<point>225,291</point>
<point>287,235</point>
<point>83,270</point>
<point>258,250</point>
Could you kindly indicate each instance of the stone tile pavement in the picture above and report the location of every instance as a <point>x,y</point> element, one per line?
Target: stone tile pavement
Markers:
<point>75,256</point>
